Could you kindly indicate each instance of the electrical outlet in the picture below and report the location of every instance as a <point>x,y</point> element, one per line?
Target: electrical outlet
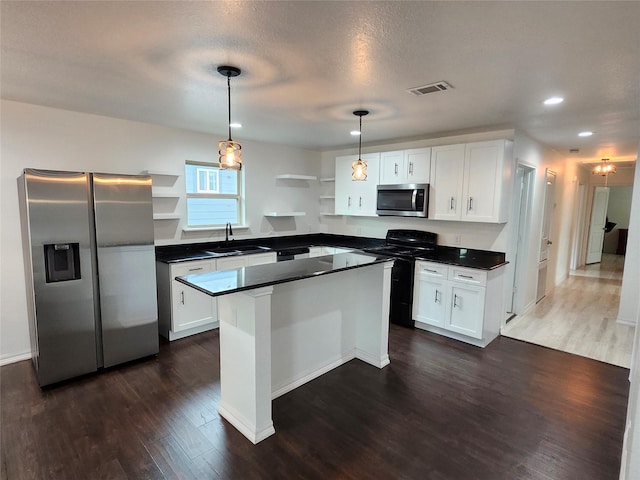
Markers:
<point>457,239</point>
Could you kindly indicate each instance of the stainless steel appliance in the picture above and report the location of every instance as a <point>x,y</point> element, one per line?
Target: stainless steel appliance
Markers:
<point>404,200</point>
<point>90,267</point>
<point>405,245</point>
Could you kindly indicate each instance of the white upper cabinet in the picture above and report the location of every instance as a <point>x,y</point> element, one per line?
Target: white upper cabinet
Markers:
<point>356,197</point>
<point>471,182</point>
<point>445,196</point>
<point>405,166</point>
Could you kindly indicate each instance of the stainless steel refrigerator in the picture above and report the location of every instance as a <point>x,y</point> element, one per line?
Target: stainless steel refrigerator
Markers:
<point>90,267</point>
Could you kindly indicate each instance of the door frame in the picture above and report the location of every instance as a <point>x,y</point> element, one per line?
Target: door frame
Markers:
<point>519,239</point>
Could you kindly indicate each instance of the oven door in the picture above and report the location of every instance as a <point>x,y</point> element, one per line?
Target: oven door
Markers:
<point>405,200</point>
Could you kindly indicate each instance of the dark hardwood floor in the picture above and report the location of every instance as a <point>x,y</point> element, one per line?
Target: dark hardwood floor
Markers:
<point>441,410</point>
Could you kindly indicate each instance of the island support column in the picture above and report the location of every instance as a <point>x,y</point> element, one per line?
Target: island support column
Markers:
<point>245,362</point>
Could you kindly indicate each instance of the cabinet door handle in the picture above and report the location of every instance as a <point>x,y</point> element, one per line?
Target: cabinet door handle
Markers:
<point>182,297</point>
<point>360,204</point>
<point>396,169</point>
<point>455,300</point>
<point>349,201</point>
<point>470,203</point>
<point>465,276</point>
<point>410,168</point>
<point>195,269</point>
<point>429,270</point>
<point>451,205</point>
<point>436,298</point>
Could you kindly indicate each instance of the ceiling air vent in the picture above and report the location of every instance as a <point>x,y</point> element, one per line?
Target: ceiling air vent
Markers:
<point>431,88</point>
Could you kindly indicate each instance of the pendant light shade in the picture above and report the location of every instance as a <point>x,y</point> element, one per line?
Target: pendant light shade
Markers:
<point>604,168</point>
<point>359,167</point>
<point>230,152</point>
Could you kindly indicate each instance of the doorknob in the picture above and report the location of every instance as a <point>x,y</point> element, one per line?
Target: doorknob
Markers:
<point>549,242</point>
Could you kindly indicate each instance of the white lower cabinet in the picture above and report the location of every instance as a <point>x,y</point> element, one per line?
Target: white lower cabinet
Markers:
<point>461,303</point>
<point>184,311</point>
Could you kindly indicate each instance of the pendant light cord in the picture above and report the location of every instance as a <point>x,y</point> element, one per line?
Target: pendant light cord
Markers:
<point>229,102</point>
<point>360,141</point>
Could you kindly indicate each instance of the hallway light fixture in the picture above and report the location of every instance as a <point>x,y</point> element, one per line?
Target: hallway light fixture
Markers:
<point>230,152</point>
<point>604,168</point>
<point>359,167</point>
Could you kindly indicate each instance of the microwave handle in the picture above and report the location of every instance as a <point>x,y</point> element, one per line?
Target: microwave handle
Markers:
<point>414,197</point>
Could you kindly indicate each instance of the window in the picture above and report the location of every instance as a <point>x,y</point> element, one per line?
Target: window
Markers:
<point>214,196</point>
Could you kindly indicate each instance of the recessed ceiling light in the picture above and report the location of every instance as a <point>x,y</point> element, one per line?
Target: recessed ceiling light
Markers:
<point>585,134</point>
<point>236,125</point>
<point>355,132</point>
<point>553,100</point>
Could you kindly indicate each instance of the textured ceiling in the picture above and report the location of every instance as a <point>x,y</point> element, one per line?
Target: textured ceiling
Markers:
<point>308,65</point>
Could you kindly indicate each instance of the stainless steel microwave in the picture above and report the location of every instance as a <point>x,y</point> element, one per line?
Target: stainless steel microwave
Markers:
<point>404,200</point>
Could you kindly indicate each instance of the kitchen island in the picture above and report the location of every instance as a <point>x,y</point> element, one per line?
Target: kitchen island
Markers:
<point>284,324</point>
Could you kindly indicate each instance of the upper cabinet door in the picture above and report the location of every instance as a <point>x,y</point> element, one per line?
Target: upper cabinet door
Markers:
<point>418,165</point>
<point>405,166</point>
<point>392,168</point>
<point>447,167</point>
<point>486,187</point>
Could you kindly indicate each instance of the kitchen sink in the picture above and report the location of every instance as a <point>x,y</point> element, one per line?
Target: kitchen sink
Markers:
<point>237,250</point>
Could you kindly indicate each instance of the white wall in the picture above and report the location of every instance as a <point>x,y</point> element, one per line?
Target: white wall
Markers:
<point>630,308</point>
<point>629,298</point>
<point>41,137</point>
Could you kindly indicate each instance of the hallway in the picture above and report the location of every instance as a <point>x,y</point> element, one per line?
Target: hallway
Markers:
<point>579,316</point>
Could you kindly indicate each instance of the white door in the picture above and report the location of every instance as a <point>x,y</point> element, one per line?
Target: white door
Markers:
<point>597,225</point>
<point>545,237</point>
<point>547,219</point>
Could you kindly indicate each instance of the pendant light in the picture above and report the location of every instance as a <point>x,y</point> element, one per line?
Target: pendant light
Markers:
<point>359,166</point>
<point>230,152</point>
<point>604,168</point>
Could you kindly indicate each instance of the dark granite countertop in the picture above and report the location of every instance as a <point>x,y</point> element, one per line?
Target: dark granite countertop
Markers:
<point>248,278</point>
<point>465,257</point>
<point>199,251</point>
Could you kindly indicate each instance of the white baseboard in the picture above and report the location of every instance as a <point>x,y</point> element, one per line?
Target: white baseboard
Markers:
<point>626,321</point>
<point>192,331</point>
<point>8,359</point>
<point>250,431</point>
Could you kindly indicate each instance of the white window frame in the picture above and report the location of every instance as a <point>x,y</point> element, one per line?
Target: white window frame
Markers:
<point>208,194</point>
<point>207,187</point>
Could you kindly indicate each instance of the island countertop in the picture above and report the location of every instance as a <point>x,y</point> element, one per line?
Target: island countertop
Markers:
<point>246,278</point>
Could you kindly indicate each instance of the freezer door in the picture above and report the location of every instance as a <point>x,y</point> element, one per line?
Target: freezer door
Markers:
<point>56,221</point>
<point>126,266</point>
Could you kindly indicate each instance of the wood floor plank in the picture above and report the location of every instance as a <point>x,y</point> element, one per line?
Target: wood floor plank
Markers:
<point>442,410</point>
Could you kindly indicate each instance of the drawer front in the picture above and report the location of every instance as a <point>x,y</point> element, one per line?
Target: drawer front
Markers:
<point>430,270</point>
<point>196,266</point>
<point>469,276</point>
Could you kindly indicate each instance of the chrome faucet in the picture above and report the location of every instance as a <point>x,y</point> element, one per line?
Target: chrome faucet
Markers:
<point>227,231</point>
